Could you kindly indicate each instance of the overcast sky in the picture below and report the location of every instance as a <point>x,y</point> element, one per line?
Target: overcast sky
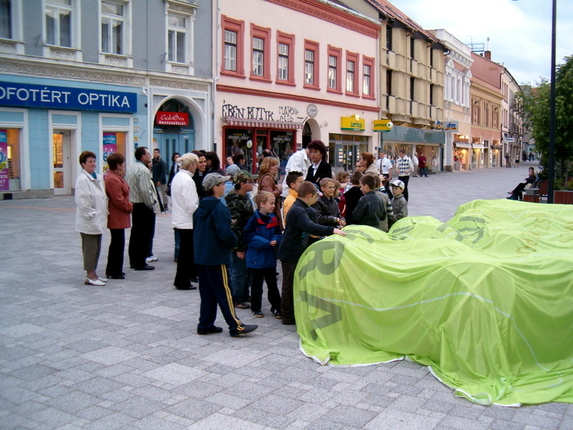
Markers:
<point>519,31</point>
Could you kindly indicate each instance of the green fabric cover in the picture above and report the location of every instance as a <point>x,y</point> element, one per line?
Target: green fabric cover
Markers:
<point>484,300</point>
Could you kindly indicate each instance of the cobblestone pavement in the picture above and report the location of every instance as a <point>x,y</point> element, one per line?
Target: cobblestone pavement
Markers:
<point>126,356</point>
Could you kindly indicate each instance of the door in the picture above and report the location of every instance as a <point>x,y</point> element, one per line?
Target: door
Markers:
<point>61,149</point>
<point>170,143</point>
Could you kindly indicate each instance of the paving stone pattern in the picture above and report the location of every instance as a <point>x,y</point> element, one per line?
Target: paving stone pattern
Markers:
<point>126,356</point>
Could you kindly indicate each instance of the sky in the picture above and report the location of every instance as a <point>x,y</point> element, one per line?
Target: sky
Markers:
<point>519,31</point>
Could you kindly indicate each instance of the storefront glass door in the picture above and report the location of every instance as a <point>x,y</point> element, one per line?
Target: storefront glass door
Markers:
<point>61,149</point>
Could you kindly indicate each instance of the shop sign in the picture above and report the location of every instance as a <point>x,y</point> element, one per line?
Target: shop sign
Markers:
<point>352,123</point>
<point>382,125</point>
<point>446,126</point>
<point>172,118</point>
<point>4,168</point>
<point>52,97</point>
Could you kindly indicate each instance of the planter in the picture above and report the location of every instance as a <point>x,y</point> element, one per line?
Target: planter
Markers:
<point>564,197</point>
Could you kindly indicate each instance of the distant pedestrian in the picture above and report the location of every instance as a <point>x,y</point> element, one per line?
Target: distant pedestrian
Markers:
<point>404,167</point>
<point>507,160</point>
<point>91,215</point>
<point>213,242</point>
<point>422,166</point>
<point>160,172</point>
<point>119,210</point>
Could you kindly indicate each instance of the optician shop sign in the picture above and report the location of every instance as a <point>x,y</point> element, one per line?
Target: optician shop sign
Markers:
<point>52,97</point>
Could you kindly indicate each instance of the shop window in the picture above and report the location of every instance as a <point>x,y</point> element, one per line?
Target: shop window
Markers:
<point>113,142</point>
<point>240,142</point>
<point>10,159</point>
<point>311,71</point>
<point>59,22</point>
<point>282,147</point>
<point>233,47</point>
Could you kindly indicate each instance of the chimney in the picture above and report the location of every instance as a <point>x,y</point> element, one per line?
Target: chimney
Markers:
<point>487,54</point>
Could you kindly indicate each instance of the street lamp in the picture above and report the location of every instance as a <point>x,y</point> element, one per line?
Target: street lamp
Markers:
<point>551,161</point>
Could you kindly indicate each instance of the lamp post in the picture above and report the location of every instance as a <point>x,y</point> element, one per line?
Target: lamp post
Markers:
<point>551,161</point>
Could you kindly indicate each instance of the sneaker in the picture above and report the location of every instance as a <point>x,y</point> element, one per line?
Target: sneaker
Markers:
<point>151,259</point>
<point>212,330</point>
<point>242,305</point>
<point>277,315</point>
<point>243,329</point>
<point>258,314</point>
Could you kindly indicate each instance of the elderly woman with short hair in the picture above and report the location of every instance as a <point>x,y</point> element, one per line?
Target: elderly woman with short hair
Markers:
<point>91,215</point>
<point>184,203</point>
<point>119,208</point>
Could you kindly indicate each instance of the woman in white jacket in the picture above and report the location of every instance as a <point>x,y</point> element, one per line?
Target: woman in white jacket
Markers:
<point>91,215</point>
<point>184,203</point>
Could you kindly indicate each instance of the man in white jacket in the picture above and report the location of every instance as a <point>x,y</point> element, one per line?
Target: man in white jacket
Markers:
<point>298,162</point>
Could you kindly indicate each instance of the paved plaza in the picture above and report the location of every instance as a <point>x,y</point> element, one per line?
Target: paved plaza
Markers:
<point>126,356</point>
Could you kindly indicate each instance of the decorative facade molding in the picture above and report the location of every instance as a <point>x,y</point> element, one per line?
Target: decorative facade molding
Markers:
<point>181,6</point>
<point>328,13</point>
<point>179,84</point>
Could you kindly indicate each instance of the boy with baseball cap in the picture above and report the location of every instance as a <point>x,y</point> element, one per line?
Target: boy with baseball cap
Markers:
<point>399,203</point>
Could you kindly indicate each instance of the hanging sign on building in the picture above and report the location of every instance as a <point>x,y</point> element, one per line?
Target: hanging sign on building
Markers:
<point>352,123</point>
<point>382,125</point>
<point>52,97</point>
<point>446,125</point>
<point>172,118</point>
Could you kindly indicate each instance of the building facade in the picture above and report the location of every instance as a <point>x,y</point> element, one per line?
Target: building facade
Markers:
<point>486,101</point>
<point>512,132</point>
<point>457,119</point>
<point>92,76</point>
<point>292,72</point>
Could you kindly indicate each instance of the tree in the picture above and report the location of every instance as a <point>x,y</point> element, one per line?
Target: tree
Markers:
<point>534,106</point>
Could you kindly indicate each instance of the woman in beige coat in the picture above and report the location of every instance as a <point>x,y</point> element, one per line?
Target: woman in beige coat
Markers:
<point>91,215</point>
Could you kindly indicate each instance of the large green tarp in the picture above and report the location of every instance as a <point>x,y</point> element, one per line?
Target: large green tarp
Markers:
<point>485,300</point>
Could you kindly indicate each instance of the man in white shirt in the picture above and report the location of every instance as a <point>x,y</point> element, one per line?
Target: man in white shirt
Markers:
<point>298,162</point>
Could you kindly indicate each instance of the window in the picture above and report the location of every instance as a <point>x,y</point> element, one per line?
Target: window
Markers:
<point>230,50</point>
<point>6,19</point>
<point>368,77</point>
<point>59,23</point>
<point>388,88</point>
<point>260,52</point>
<point>388,38</point>
<point>412,50</point>
<point>285,61</point>
<point>233,47</point>
<point>334,80</point>
<point>112,28</point>
<point>177,38</point>
<point>311,73</point>
<point>258,56</point>
<point>351,73</point>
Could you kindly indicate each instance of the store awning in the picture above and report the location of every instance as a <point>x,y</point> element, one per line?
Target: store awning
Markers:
<point>239,122</point>
<point>462,145</point>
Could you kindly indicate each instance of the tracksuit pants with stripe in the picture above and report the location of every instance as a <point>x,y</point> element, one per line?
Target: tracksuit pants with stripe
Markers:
<point>214,290</point>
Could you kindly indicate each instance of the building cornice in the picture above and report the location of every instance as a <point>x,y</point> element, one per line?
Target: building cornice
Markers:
<point>295,97</point>
<point>334,14</point>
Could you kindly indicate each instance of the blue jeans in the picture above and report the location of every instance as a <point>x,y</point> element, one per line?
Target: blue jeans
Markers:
<point>240,279</point>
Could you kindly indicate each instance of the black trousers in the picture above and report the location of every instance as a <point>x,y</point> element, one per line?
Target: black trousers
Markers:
<point>287,299</point>
<point>405,179</point>
<point>214,290</point>
<point>115,253</point>
<point>270,276</point>
<point>186,268</point>
<point>142,228</point>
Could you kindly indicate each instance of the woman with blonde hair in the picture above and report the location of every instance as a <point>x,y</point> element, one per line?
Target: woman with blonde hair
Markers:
<point>268,178</point>
<point>366,164</point>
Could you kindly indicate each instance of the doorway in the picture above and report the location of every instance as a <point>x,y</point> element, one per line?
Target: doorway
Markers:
<point>170,143</point>
<point>61,164</point>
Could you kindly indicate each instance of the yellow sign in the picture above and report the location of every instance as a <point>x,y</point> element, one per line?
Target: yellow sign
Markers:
<point>352,123</point>
<point>382,125</point>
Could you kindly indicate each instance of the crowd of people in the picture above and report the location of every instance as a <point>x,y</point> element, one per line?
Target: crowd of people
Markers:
<point>231,226</point>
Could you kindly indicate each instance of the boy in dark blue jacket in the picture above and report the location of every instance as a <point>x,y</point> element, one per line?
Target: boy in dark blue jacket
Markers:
<point>263,235</point>
<point>299,227</point>
<point>213,242</point>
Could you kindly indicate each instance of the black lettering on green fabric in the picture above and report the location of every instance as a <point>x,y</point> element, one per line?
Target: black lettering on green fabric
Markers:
<point>334,312</point>
<point>318,262</point>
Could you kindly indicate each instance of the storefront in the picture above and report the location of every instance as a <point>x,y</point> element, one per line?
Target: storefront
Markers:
<point>45,124</point>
